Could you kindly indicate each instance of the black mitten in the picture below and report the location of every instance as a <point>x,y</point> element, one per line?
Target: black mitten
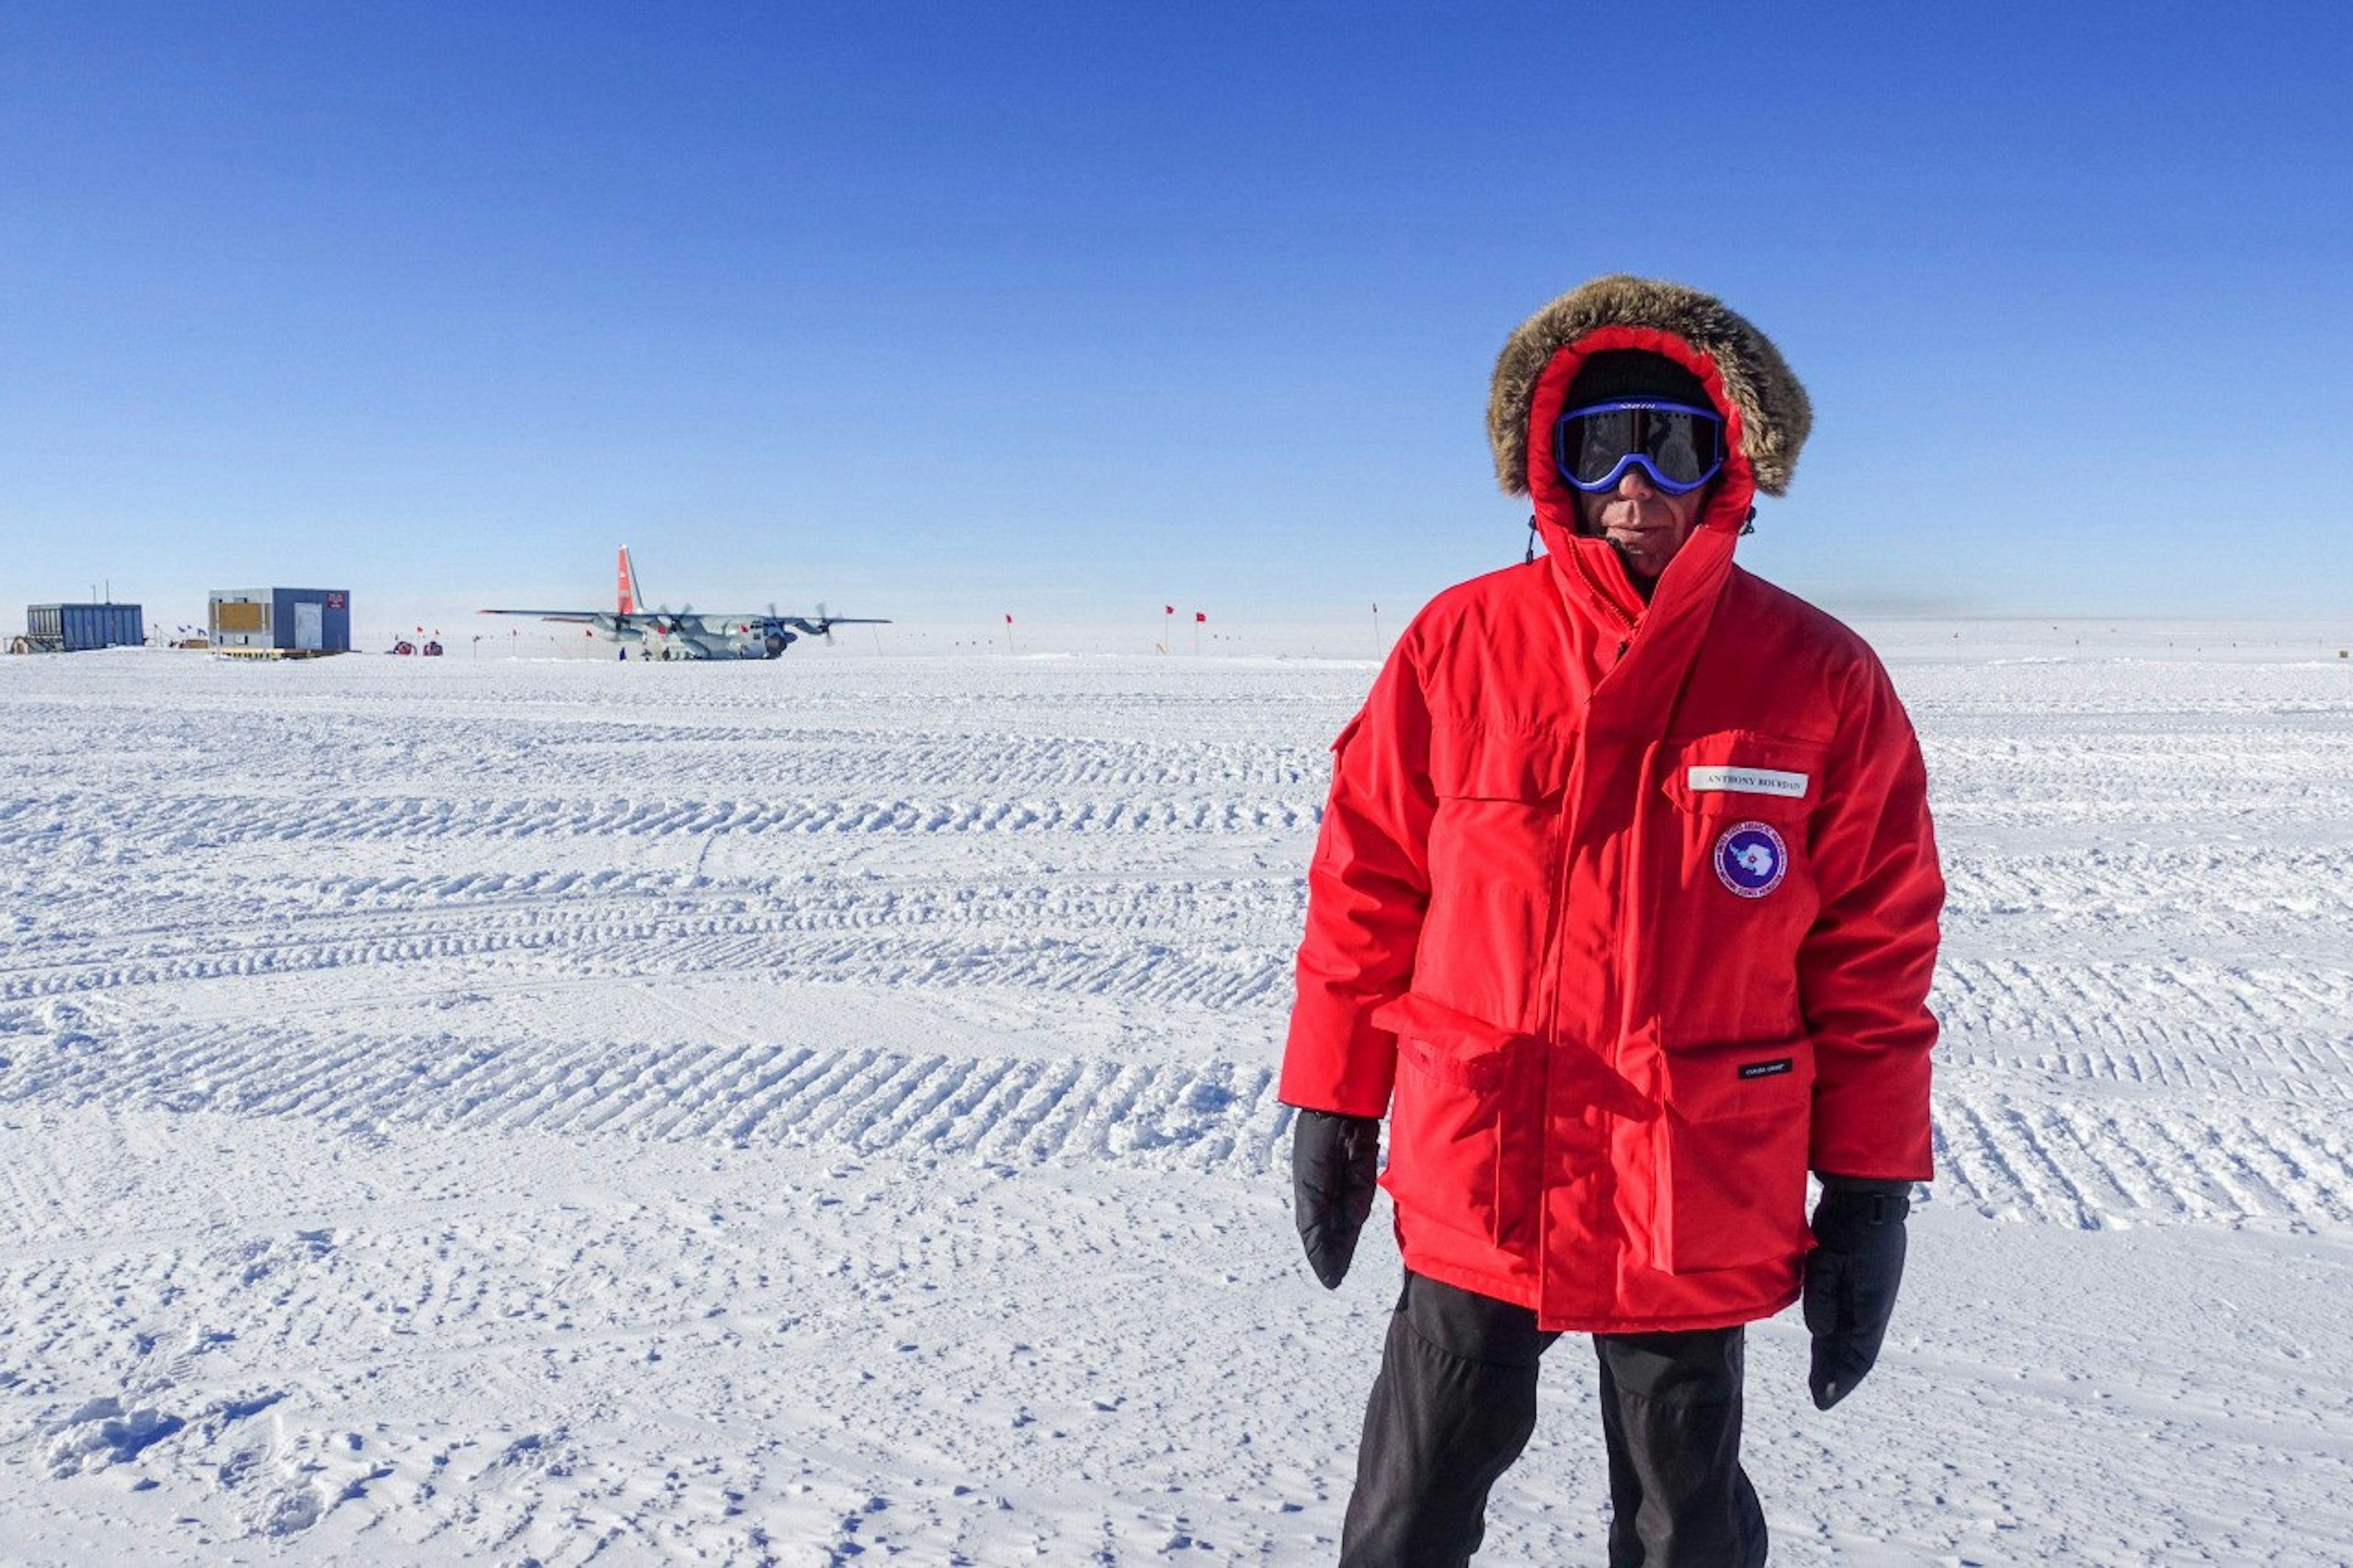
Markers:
<point>1334,1163</point>
<point>1851,1276</point>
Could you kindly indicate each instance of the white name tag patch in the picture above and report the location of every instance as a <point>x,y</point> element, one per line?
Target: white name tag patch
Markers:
<point>1750,781</point>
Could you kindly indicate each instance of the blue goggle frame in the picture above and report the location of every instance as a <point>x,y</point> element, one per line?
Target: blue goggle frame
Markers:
<point>1687,439</point>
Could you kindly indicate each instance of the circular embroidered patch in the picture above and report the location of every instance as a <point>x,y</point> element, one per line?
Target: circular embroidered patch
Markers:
<point>1751,859</point>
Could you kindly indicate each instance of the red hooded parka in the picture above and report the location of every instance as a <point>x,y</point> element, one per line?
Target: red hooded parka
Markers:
<point>1625,914</point>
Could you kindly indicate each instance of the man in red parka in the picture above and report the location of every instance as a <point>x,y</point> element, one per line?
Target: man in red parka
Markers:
<point>1623,913</point>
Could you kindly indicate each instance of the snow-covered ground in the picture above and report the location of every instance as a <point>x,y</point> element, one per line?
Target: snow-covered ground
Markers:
<point>570,1111</point>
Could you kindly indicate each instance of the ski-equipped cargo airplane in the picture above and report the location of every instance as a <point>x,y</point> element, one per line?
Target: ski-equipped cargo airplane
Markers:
<point>689,633</point>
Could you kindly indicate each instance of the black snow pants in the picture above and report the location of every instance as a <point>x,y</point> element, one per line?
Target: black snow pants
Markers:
<point>1456,1402</point>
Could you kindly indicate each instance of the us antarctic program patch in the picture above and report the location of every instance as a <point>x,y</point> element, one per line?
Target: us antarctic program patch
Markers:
<point>1751,859</point>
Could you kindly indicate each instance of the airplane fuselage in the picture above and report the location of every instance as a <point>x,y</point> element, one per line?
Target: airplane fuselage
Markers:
<point>695,636</point>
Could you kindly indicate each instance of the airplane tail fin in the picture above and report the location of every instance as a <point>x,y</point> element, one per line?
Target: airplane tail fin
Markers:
<point>630,597</point>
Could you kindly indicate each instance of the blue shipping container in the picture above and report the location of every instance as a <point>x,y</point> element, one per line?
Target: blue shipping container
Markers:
<point>75,628</point>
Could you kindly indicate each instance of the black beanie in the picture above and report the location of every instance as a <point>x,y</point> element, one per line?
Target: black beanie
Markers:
<point>1634,373</point>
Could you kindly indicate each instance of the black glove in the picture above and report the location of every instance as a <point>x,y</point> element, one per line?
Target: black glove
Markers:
<point>1334,1161</point>
<point>1851,1278</point>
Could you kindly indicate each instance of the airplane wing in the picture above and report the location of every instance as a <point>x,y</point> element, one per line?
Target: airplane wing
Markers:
<point>554,614</point>
<point>716,624</point>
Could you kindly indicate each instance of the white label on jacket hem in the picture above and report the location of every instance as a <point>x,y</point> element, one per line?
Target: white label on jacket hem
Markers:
<point>1750,781</point>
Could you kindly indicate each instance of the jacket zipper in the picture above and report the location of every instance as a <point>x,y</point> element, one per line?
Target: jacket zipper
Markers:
<point>1626,623</point>
<point>1558,917</point>
<point>1559,914</point>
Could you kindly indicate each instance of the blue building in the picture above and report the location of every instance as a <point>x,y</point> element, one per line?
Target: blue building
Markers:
<point>283,620</point>
<point>73,628</point>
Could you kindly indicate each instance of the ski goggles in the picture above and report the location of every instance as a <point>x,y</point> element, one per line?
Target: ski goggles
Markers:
<point>1681,448</point>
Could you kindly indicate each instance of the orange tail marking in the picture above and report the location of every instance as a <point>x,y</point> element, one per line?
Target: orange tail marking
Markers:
<point>629,583</point>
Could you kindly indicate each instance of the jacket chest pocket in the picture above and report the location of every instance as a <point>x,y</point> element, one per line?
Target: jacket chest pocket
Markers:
<point>1494,847</point>
<point>1508,779</point>
<point>1745,773</point>
<point>1728,885</point>
<point>1740,802</point>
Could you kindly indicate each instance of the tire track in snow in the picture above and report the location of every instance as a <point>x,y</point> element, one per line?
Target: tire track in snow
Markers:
<point>1099,902</point>
<point>2110,1163</point>
<point>2205,1029</point>
<point>2257,890</point>
<point>2078,1163</point>
<point>2185,1025</point>
<point>212,822</point>
<point>976,933</point>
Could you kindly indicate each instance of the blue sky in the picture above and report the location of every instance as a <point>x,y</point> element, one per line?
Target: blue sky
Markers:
<point>951,312</point>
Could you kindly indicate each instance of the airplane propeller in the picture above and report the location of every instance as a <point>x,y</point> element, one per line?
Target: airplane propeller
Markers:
<point>774,637</point>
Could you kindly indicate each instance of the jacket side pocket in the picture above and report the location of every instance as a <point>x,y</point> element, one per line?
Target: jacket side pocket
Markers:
<point>1731,1187</point>
<point>1446,1119</point>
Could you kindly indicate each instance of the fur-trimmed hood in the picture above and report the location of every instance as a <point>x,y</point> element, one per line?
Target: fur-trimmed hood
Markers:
<point>1766,408</point>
